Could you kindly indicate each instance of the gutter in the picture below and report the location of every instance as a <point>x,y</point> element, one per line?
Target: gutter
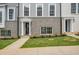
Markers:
<point>60,20</point>
<point>18,22</point>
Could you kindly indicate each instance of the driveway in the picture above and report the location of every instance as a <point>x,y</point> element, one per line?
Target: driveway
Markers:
<point>56,50</point>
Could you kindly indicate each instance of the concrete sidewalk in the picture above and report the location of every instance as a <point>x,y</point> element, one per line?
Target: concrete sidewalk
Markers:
<point>17,44</point>
<point>55,50</point>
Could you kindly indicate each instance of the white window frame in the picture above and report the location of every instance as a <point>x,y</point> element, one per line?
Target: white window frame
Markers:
<point>36,8</point>
<point>46,34</point>
<point>76,9</point>
<point>49,9</point>
<point>13,14</point>
<point>2,25</point>
<point>29,8</point>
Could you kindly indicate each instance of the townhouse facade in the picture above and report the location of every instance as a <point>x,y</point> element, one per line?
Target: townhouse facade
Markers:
<point>35,19</point>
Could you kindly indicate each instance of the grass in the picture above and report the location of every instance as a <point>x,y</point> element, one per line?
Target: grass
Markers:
<point>52,41</point>
<point>6,42</point>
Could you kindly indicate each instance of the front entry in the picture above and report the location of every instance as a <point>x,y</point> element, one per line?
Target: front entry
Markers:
<point>67,25</point>
<point>27,28</point>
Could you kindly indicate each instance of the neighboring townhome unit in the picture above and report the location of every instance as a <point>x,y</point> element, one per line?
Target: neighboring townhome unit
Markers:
<point>39,19</point>
<point>70,18</point>
<point>8,20</point>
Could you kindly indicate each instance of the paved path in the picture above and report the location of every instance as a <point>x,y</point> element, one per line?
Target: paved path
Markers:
<point>17,44</point>
<point>73,35</point>
<point>56,50</point>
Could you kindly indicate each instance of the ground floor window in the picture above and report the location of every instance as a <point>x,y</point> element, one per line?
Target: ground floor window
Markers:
<point>5,32</point>
<point>46,30</point>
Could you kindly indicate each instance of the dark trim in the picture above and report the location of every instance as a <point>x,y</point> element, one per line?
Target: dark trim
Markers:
<point>60,20</point>
<point>18,22</point>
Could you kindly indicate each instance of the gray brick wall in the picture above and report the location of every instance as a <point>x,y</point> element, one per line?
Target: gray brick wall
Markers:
<point>37,23</point>
<point>11,25</point>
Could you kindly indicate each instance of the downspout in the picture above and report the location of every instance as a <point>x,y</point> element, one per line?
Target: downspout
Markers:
<point>18,22</point>
<point>60,20</point>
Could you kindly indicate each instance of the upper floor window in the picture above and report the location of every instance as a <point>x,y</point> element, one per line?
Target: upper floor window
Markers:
<point>11,12</point>
<point>26,10</point>
<point>73,7</point>
<point>39,9</point>
<point>0,17</point>
<point>52,10</point>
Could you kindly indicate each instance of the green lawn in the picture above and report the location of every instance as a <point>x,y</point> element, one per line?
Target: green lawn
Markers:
<point>4,43</point>
<point>52,41</point>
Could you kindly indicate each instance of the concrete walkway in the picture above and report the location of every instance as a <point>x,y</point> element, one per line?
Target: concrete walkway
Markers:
<point>55,50</point>
<point>73,36</point>
<point>17,44</point>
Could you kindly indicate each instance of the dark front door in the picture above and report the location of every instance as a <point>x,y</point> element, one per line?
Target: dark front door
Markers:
<point>27,28</point>
<point>67,25</point>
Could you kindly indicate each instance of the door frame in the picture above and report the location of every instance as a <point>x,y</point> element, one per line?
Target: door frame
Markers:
<point>71,24</point>
<point>24,20</point>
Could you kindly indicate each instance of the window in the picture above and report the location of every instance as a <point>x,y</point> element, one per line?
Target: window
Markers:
<point>43,30</point>
<point>11,12</point>
<point>26,11</point>
<point>52,10</point>
<point>5,33</point>
<point>73,7</point>
<point>46,30</point>
<point>39,9</point>
<point>49,30</point>
<point>0,17</point>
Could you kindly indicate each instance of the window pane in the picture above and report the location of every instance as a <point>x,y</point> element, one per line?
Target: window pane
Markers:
<point>8,33</point>
<point>39,9</point>
<point>78,7</point>
<point>0,17</point>
<point>43,30</point>
<point>11,13</point>
<point>49,30</point>
<point>2,32</point>
<point>5,33</point>
<point>52,10</point>
<point>73,7</point>
<point>26,11</point>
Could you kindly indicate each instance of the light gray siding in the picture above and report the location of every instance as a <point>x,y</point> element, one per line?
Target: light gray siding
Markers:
<point>58,9</point>
<point>32,9</point>
<point>45,9</point>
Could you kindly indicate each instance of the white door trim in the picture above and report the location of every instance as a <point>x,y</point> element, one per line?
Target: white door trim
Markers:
<point>22,26</point>
<point>71,24</point>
